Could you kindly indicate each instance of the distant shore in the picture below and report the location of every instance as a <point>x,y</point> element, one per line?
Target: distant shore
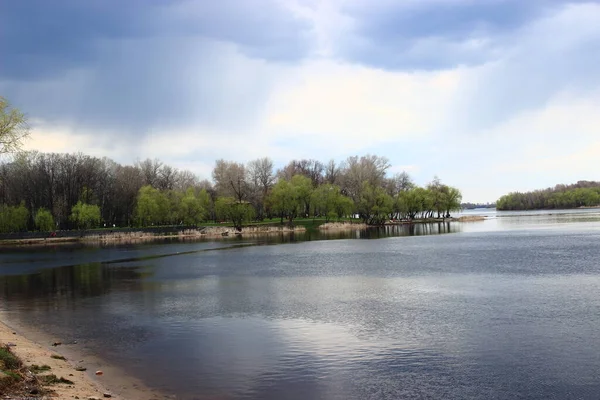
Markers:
<point>144,235</point>
<point>209,232</point>
<point>354,225</point>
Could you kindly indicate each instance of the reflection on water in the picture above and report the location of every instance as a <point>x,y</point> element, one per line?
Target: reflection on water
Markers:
<point>495,313</point>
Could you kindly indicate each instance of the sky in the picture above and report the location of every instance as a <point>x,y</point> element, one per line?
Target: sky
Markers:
<point>492,96</point>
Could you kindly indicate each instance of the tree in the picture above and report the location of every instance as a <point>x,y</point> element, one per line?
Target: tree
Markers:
<point>191,210</point>
<point>150,171</point>
<point>328,201</point>
<point>260,178</point>
<point>355,171</point>
<point>284,200</point>
<point>207,203</point>
<point>44,220</point>
<point>13,218</point>
<point>303,189</point>
<point>230,180</point>
<point>85,216</point>
<point>13,127</point>
<point>451,201</point>
<point>375,205</point>
<point>229,209</point>
<point>152,207</point>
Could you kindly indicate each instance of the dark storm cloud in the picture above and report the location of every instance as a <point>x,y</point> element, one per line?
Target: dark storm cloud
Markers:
<point>437,34</point>
<point>133,66</point>
<point>40,38</point>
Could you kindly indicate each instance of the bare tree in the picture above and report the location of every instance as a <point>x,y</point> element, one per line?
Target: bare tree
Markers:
<point>260,173</point>
<point>260,180</point>
<point>150,170</point>
<point>13,127</point>
<point>355,171</point>
<point>332,172</point>
<point>167,177</point>
<point>230,179</point>
<point>312,169</point>
<point>185,179</point>
<point>398,183</point>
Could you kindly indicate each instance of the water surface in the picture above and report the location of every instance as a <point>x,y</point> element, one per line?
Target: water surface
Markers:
<point>503,309</point>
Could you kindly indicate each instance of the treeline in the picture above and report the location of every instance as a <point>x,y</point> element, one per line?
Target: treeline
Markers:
<point>580,194</point>
<point>472,206</point>
<point>67,191</point>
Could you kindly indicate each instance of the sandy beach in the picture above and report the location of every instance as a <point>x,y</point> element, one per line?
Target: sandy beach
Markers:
<point>36,348</point>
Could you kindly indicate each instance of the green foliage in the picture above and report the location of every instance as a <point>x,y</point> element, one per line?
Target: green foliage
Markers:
<point>559,197</point>
<point>9,360</point>
<point>44,220</point>
<point>375,205</point>
<point>328,200</point>
<point>13,218</point>
<point>85,216</point>
<point>291,198</point>
<point>206,203</point>
<point>152,207</point>
<point>229,209</point>
<point>192,211</point>
<point>36,369</point>
<point>302,187</point>
<point>283,200</point>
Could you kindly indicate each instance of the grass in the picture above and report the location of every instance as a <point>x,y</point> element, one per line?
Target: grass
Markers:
<point>13,375</point>
<point>10,365</point>
<point>8,359</point>
<point>36,369</point>
<point>57,357</point>
<point>53,380</point>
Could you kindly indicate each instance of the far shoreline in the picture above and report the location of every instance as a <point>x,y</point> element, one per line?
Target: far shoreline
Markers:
<point>211,232</point>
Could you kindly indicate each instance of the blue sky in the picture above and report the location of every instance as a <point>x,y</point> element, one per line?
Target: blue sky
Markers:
<point>490,95</point>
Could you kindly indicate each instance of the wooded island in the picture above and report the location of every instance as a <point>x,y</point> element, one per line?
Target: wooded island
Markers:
<point>40,191</point>
<point>580,194</point>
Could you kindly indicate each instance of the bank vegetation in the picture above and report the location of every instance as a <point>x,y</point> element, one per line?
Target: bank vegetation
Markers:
<point>578,195</point>
<point>49,191</point>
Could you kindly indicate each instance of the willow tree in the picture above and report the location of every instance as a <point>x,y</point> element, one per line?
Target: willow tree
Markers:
<point>13,127</point>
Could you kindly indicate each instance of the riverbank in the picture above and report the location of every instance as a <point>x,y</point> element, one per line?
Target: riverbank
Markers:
<point>75,365</point>
<point>210,232</point>
<point>353,225</point>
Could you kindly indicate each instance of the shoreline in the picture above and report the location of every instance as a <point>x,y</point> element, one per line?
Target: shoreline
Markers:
<point>30,347</point>
<point>214,232</point>
<point>211,232</point>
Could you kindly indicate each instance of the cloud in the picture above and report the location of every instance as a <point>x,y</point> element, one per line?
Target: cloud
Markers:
<point>436,34</point>
<point>66,34</point>
<point>482,98</point>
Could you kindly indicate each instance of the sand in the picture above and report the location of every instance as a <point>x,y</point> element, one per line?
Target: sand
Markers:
<point>86,384</point>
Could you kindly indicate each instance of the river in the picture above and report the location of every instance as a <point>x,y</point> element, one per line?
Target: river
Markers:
<point>508,308</point>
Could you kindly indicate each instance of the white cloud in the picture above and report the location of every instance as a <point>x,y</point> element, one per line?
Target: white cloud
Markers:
<point>526,120</point>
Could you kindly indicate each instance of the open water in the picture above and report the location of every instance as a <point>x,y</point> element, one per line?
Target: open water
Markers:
<point>508,308</point>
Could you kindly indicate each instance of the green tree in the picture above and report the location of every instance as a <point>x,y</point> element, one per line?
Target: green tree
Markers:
<point>229,209</point>
<point>207,204</point>
<point>303,189</point>
<point>152,207</point>
<point>283,200</point>
<point>191,210</point>
<point>13,218</point>
<point>44,220</point>
<point>451,200</point>
<point>375,205</point>
<point>13,127</point>
<point>85,216</point>
<point>327,200</point>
